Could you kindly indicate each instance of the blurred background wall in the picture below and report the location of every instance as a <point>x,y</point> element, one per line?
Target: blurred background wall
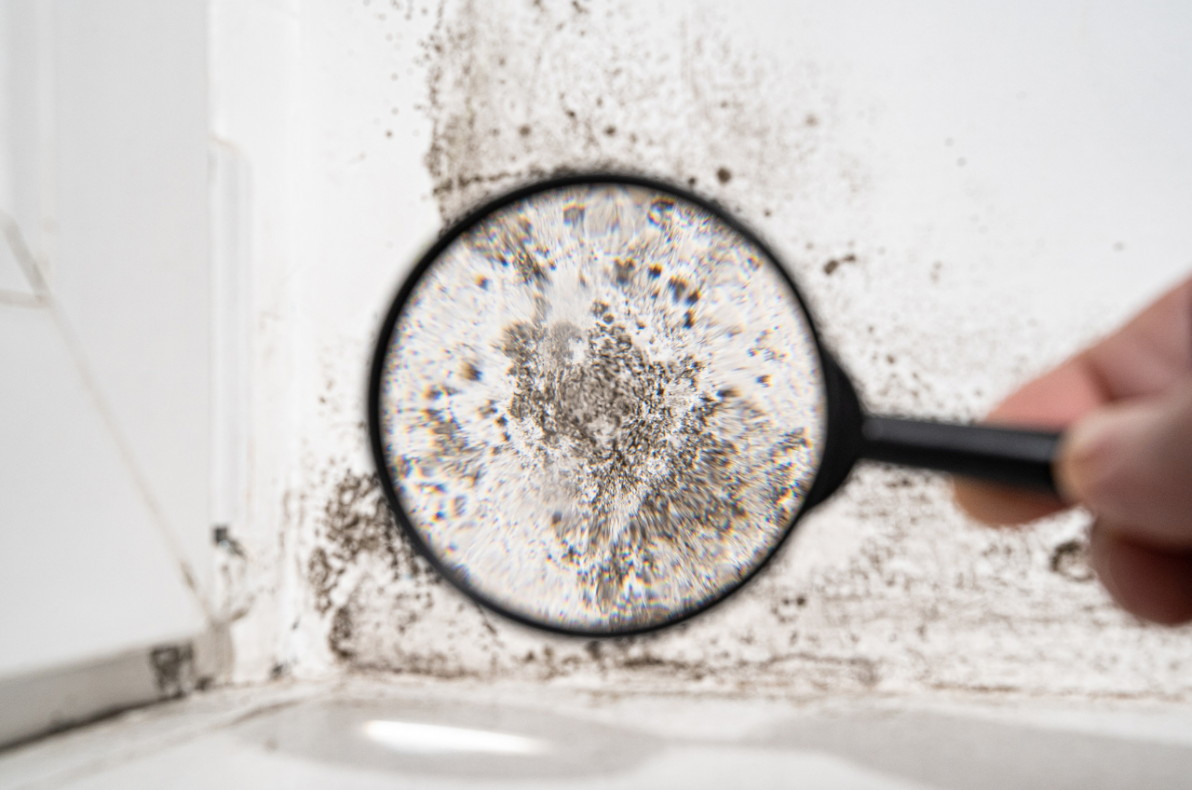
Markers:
<point>105,354</point>
<point>214,201</point>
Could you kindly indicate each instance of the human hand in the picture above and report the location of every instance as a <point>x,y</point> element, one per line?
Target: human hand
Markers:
<point>1125,405</point>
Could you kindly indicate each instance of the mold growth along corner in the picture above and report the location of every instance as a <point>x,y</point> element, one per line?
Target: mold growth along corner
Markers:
<point>887,588</point>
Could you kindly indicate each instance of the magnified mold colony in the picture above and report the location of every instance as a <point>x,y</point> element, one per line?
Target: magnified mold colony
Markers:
<point>602,407</point>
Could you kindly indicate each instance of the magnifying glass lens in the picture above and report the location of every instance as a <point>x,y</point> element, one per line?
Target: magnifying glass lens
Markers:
<point>601,407</point>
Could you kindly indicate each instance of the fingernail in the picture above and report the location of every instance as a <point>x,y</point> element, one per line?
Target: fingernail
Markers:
<point>1094,449</point>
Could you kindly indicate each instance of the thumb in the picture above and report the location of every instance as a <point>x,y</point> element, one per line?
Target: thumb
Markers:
<point>1131,464</point>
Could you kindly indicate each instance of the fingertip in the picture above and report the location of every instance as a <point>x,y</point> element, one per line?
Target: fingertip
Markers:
<point>1086,452</point>
<point>1049,402</point>
<point>1131,464</point>
<point>999,505</point>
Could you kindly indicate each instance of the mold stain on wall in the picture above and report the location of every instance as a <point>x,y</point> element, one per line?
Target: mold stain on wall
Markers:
<point>886,588</point>
<point>524,89</point>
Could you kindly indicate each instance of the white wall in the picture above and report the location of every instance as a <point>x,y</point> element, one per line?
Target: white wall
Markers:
<point>104,329</point>
<point>1011,180</point>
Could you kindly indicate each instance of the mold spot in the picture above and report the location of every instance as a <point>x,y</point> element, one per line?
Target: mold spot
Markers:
<point>835,263</point>
<point>340,637</point>
<point>355,524</point>
<point>678,287</point>
<point>623,270</point>
<point>173,669</point>
<point>1070,559</point>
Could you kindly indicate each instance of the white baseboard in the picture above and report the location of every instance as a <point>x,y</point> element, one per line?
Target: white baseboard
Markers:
<point>40,703</point>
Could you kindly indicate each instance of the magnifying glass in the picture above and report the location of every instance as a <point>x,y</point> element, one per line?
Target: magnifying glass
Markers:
<point>599,405</point>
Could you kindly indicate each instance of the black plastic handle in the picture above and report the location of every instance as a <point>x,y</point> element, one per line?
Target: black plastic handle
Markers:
<point>1003,455</point>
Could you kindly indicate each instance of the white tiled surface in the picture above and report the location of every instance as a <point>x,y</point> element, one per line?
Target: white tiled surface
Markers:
<point>314,737</point>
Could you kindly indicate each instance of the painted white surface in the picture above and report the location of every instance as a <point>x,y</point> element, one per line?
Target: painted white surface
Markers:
<point>254,75</point>
<point>131,267</point>
<point>1009,181</point>
<point>83,569</point>
<point>288,736</point>
<point>104,525</point>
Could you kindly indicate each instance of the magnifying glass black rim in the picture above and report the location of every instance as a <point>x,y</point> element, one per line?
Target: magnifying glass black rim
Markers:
<point>385,336</point>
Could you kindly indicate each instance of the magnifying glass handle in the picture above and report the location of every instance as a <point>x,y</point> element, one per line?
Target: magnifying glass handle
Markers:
<point>1002,455</point>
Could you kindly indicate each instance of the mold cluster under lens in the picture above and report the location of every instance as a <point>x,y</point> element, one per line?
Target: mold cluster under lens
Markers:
<point>602,408</point>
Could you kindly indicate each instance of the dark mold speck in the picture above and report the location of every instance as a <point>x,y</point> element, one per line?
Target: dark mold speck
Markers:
<point>173,669</point>
<point>833,264</point>
<point>623,270</point>
<point>1070,559</point>
<point>678,287</point>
